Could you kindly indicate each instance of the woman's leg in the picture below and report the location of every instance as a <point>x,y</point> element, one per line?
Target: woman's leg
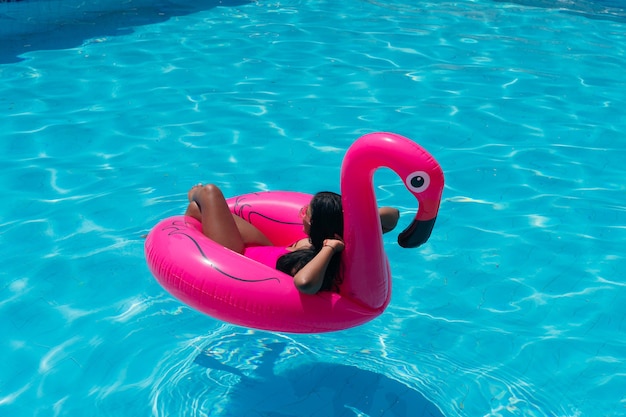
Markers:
<point>217,221</point>
<point>207,204</point>
<point>250,234</point>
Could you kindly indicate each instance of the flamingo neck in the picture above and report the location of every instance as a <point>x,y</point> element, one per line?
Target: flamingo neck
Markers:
<point>366,270</point>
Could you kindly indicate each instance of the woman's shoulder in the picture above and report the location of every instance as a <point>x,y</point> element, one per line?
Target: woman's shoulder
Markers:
<point>300,244</point>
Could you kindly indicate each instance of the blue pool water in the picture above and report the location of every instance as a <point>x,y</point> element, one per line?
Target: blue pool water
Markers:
<point>515,307</point>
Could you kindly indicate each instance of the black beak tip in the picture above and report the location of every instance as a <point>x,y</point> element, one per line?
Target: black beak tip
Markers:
<point>417,233</point>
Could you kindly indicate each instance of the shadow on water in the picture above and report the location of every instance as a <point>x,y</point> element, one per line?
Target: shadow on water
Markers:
<point>317,390</point>
<point>614,10</point>
<point>32,25</point>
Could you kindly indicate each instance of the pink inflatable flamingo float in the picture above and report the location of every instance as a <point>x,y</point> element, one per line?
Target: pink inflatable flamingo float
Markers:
<point>233,288</point>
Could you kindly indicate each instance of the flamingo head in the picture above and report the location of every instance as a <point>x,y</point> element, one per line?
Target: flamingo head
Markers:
<point>420,172</point>
<point>424,179</point>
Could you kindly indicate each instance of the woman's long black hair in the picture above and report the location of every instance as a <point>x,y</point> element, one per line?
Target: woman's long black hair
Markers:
<point>326,222</point>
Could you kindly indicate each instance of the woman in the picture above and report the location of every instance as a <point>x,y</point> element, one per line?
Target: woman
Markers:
<point>314,262</point>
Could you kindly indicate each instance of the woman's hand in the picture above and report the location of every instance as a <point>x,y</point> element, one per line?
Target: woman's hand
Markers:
<point>310,278</point>
<point>336,244</point>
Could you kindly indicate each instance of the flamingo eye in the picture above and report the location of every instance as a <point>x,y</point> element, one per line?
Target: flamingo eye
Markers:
<point>418,181</point>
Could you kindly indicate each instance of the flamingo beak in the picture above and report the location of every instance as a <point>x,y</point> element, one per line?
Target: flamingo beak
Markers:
<point>417,233</point>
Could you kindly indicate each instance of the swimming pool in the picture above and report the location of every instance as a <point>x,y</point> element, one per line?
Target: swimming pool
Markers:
<point>512,308</point>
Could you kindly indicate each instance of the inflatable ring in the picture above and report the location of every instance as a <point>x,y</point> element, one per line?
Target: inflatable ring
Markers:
<point>235,289</point>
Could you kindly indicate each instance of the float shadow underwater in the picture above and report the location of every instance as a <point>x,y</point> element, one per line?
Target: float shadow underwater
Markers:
<point>317,390</point>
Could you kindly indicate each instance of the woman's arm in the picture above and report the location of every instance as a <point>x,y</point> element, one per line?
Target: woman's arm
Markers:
<point>310,278</point>
<point>388,218</point>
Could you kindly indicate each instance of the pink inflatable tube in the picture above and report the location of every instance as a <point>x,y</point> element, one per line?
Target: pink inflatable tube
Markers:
<point>233,288</point>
